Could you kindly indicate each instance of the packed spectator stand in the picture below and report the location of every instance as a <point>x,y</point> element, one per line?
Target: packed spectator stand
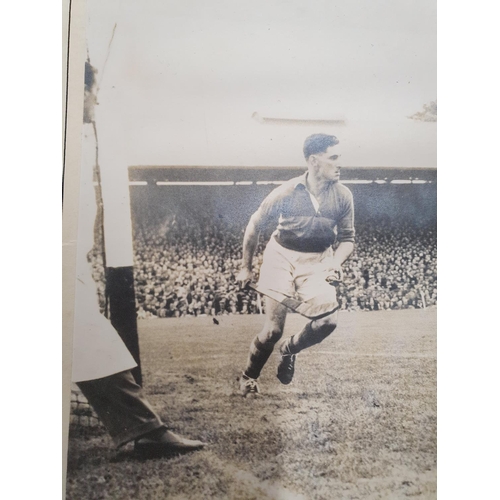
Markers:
<point>187,267</point>
<point>188,244</point>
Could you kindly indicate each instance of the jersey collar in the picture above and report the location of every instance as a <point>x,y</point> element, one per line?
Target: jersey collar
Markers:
<point>301,181</point>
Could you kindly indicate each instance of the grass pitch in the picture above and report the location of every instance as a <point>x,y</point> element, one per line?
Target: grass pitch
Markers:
<point>357,422</point>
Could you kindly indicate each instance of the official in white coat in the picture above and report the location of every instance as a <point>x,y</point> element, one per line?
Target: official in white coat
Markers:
<point>101,361</point>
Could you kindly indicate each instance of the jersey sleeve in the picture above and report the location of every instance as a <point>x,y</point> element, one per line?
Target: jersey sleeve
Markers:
<point>345,224</point>
<point>270,209</point>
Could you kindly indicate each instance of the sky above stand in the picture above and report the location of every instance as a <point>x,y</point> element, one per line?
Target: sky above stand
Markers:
<point>180,80</point>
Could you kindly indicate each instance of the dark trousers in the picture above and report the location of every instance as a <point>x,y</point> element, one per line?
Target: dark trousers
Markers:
<point>122,407</point>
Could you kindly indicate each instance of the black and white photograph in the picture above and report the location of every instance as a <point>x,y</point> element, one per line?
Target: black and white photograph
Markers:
<point>255,311</point>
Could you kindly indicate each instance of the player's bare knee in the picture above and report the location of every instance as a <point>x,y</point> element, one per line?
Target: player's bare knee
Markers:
<point>275,334</point>
<point>272,334</point>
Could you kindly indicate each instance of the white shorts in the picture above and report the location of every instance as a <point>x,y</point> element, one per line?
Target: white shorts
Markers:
<point>301,275</point>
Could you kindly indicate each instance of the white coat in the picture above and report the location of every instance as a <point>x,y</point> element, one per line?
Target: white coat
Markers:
<point>98,350</point>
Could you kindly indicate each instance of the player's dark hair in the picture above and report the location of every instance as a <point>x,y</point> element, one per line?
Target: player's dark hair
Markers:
<point>318,143</point>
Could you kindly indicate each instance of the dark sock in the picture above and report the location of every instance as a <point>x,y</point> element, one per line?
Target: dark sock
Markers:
<point>259,354</point>
<point>304,339</point>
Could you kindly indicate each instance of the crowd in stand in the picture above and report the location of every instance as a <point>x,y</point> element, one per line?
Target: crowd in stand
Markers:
<point>187,267</point>
<point>393,267</point>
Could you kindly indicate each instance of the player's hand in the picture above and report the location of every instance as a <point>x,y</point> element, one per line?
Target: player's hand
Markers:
<point>244,277</point>
<point>335,275</point>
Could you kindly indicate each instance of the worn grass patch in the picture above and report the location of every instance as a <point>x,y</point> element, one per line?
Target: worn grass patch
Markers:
<point>358,421</point>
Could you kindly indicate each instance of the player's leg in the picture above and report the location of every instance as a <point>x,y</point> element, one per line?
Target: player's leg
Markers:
<point>313,333</point>
<point>310,273</point>
<point>263,344</point>
<point>310,277</point>
<point>275,273</point>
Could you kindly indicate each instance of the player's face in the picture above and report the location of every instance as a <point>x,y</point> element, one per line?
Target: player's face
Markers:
<point>328,164</point>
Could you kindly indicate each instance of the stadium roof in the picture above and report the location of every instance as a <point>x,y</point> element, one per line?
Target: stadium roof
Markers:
<point>261,175</point>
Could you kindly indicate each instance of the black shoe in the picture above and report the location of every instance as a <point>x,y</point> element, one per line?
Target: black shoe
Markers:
<point>286,368</point>
<point>167,443</point>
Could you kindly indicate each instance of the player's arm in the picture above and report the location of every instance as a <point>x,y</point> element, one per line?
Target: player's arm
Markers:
<point>345,234</point>
<point>250,241</point>
<point>344,250</point>
<point>268,212</point>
